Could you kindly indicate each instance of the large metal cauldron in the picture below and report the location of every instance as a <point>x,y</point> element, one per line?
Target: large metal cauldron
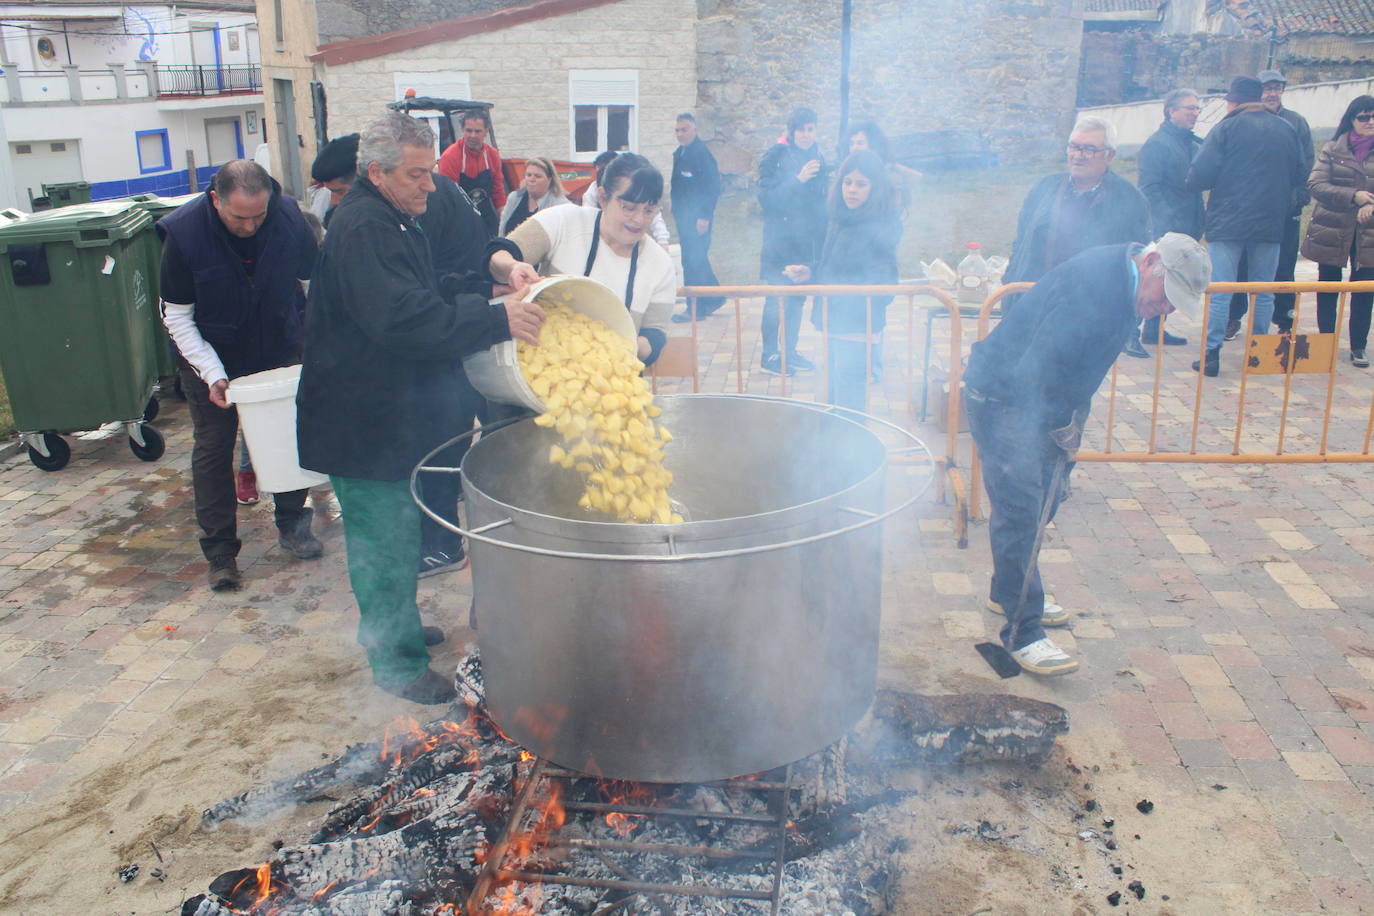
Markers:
<point>744,639</point>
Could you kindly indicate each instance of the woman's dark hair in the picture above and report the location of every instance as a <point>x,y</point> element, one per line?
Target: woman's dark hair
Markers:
<point>877,140</point>
<point>882,196</point>
<point>1358,105</point>
<point>603,160</point>
<point>799,118</point>
<point>645,183</point>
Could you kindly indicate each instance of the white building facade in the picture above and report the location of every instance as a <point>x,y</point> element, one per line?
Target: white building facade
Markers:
<point>130,99</point>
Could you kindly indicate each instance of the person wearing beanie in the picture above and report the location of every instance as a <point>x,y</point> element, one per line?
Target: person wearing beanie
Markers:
<point>1252,165</point>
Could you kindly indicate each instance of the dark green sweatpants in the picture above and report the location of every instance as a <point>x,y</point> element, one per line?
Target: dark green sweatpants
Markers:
<point>382,535</point>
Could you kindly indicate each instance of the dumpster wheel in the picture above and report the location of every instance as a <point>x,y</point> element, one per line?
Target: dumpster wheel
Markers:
<point>151,410</point>
<point>58,453</point>
<point>152,446</point>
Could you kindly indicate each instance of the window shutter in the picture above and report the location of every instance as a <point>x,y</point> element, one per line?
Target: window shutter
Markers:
<point>603,87</point>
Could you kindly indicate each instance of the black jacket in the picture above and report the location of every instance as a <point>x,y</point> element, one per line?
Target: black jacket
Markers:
<point>253,323</point>
<point>1048,356</point>
<point>1253,167</point>
<point>1117,213</point>
<point>1308,152</point>
<point>860,252</point>
<point>1164,161</point>
<point>793,210</point>
<point>458,238</point>
<point>382,381</point>
<point>696,184</point>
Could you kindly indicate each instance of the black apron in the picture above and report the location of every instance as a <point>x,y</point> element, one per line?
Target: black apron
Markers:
<point>479,188</point>
<point>591,260</point>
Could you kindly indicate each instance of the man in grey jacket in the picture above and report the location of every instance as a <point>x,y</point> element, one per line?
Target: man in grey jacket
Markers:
<point>1164,162</point>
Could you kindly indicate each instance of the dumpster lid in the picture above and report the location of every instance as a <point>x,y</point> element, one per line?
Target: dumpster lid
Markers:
<point>84,225</point>
<point>161,206</point>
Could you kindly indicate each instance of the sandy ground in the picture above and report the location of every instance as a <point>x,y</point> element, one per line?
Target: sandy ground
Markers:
<point>989,839</point>
<point>63,858</point>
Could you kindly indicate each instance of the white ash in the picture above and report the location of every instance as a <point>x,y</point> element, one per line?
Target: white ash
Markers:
<point>416,840</point>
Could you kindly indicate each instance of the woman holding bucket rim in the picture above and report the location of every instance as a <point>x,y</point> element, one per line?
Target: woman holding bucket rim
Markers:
<point>611,245</point>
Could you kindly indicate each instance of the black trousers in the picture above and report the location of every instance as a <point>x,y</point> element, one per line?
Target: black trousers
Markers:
<point>1360,306</point>
<point>216,431</point>
<point>696,264</point>
<point>1288,262</point>
<point>1018,468</point>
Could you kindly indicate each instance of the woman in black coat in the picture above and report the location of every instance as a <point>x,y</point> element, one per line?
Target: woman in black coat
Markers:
<point>860,249</point>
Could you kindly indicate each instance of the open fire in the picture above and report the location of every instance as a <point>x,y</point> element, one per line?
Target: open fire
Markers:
<point>453,818</point>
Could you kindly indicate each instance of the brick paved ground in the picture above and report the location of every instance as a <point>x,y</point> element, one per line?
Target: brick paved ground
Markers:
<point>1223,614</point>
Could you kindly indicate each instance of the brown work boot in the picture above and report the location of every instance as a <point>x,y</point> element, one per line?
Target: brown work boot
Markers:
<point>224,575</point>
<point>429,689</point>
<point>297,538</point>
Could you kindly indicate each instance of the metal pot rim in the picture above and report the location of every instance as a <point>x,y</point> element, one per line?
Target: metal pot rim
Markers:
<point>867,518</point>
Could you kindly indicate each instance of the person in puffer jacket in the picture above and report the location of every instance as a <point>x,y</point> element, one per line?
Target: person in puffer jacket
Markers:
<point>1342,228</point>
<point>860,249</point>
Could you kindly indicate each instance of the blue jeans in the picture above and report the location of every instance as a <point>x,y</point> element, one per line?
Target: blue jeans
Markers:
<point>1262,260</point>
<point>848,373</point>
<point>1018,469</point>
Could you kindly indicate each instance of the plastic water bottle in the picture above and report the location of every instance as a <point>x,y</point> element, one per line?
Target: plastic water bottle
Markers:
<point>973,274</point>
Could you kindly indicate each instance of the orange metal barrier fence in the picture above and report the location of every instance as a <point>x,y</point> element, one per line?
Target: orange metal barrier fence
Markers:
<point>1289,355</point>
<point>682,360</point>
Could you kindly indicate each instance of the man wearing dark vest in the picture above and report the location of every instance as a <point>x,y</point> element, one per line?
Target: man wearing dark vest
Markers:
<point>476,166</point>
<point>232,264</point>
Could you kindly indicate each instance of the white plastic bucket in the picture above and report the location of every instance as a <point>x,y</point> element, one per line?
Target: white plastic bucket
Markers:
<point>266,403</point>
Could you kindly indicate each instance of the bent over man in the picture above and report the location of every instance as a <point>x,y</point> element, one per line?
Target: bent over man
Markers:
<point>1029,385</point>
<point>382,383</point>
<point>232,264</point>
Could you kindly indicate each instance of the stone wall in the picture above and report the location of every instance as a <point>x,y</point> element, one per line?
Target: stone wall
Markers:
<point>1135,64</point>
<point>524,71</point>
<point>1004,68</point>
<point>341,20</point>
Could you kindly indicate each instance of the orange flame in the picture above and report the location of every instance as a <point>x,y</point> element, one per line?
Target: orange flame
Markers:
<point>549,818</point>
<point>264,889</point>
<point>617,792</point>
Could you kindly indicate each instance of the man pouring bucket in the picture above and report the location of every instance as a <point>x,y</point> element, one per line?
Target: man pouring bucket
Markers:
<point>1029,385</point>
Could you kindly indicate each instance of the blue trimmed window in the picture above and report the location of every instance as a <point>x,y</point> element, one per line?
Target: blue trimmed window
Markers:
<point>154,151</point>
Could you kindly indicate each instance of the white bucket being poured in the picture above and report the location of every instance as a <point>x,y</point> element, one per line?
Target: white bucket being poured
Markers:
<point>266,403</point>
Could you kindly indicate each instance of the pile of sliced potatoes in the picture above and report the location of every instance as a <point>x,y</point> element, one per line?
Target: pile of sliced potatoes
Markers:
<point>595,398</point>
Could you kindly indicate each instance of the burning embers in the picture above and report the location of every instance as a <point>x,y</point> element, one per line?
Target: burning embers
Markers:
<point>452,818</point>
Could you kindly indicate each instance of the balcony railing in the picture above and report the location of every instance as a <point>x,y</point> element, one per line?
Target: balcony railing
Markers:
<point>200,81</point>
<point>145,80</point>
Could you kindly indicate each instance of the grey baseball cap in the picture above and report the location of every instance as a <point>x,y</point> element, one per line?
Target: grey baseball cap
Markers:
<point>1271,76</point>
<point>1187,271</point>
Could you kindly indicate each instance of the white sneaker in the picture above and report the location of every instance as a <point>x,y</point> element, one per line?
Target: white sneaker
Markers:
<point>1053,615</point>
<point>1044,657</point>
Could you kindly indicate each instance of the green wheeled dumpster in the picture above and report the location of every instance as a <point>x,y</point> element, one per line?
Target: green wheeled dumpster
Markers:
<point>67,193</point>
<point>159,207</point>
<point>77,350</point>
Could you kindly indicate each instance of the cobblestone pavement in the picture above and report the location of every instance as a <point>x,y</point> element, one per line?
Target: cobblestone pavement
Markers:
<point>1222,612</point>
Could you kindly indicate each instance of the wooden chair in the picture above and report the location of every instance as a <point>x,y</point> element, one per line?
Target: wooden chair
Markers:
<point>678,359</point>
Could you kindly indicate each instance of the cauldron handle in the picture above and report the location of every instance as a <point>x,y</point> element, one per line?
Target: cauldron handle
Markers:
<point>854,416</point>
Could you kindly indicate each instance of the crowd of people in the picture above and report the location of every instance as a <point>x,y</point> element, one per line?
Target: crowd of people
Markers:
<point>415,261</point>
